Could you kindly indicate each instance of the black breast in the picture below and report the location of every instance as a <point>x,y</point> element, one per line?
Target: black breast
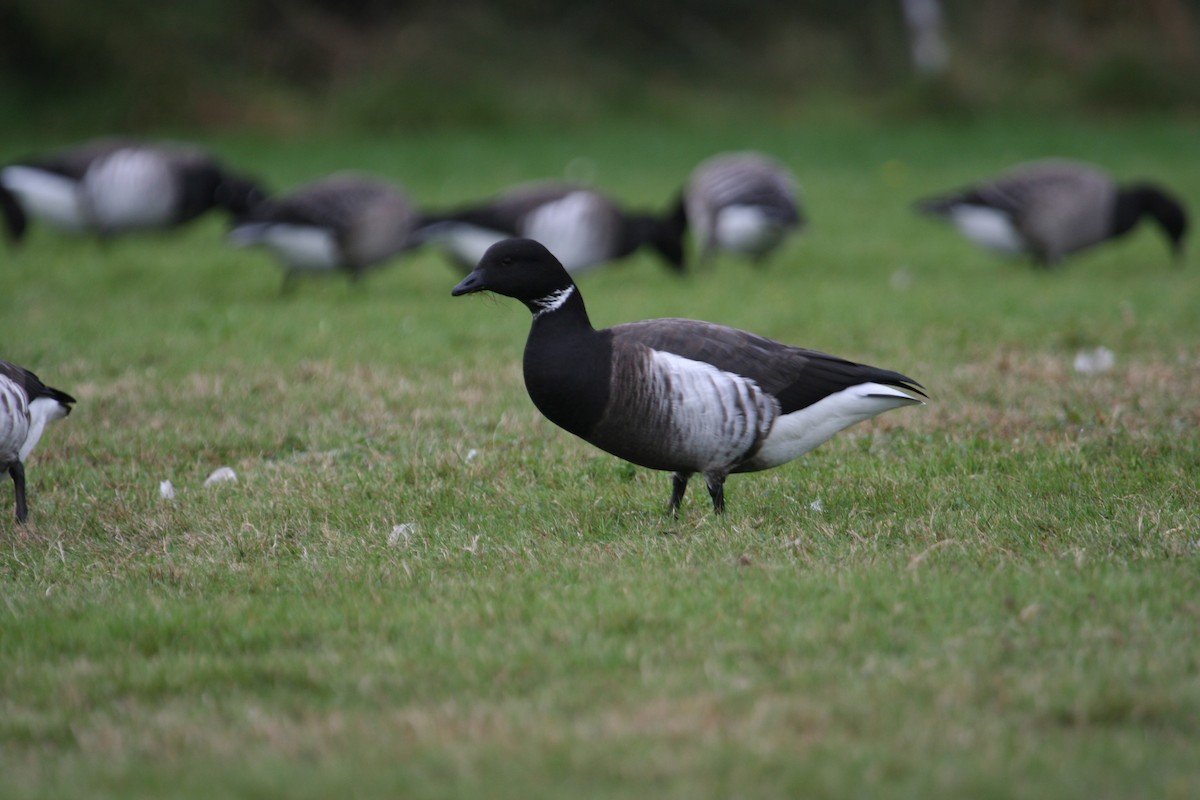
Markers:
<point>568,375</point>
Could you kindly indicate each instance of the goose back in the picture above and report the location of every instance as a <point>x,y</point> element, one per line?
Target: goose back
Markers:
<point>743,202</point>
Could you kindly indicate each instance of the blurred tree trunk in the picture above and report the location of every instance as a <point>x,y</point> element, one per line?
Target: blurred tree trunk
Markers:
<point>925,36</point>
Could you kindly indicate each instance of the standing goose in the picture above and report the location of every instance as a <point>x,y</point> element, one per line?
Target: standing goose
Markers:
<point>26,405</point>
<point>1054,207</point>
<point>677,394</point>
<point>744,203</point>
<point>113,185</point>
<point>347,221</point>
<point>581,226</point>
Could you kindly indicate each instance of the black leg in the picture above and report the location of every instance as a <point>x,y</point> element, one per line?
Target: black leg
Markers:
<point>679,482</point>
<point>716,490</point>
<point>17,471</point>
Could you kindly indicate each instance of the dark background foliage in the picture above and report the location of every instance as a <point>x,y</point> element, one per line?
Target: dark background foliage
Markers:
<point>371,64</point>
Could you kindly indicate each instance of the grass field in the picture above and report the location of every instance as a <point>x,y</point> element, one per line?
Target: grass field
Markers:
<point>994,595</point>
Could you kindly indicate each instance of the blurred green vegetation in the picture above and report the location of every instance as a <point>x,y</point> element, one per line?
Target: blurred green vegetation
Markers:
<point>70,66</point>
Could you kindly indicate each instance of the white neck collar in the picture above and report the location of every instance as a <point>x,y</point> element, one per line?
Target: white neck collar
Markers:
<point>553,301</point>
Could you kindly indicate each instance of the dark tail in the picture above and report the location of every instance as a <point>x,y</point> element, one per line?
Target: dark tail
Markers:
<point>15,221</point>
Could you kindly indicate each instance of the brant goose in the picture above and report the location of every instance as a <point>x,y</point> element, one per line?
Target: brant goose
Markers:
<point>582,227</point>
<point>744,203</point>
<point>26,405</point>
<point>678,394</point>
<point>113,185</point>
<point>347,221</point>
<point>1054,207</point>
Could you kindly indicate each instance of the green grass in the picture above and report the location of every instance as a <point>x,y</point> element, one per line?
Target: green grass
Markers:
<point>995,596</point>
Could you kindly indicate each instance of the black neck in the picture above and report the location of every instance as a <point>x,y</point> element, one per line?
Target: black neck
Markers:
<point>567,366</point>
<point>1139,200</point>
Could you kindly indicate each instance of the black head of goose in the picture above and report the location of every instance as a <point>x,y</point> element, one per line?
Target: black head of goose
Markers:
<point>677,394</point>
<point>345,222</point>
<point>744,203</point>
<point>1051,208</point>
<point>26,406</point>
<point>583,227</point>
<point>115,185</point>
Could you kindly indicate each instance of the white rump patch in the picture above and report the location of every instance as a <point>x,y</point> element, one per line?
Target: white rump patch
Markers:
<point>43,410</point>
<point>466,243</point>
<point>45,196</point>
<point>988,228</point>
<point>299,246</point>
<point>746,229</point>
<point>795,434</point>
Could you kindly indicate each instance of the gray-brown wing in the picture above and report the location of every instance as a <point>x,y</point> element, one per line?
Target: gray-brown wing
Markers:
<point>745,178</point>
<point>795,376</point>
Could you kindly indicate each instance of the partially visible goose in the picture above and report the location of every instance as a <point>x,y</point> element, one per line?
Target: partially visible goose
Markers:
<point>26,405</point>
<point>677,394</point>
<point>114,185</point>
<point>745,203</point>
<point>347,221</point>
<point>584,228</point>
<point>1051,208</point>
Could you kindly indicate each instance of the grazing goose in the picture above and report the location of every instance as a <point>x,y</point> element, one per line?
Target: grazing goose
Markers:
<point>581,226</point>
<point>1054,207</point>
<point>744,203</point>
<point>677,394</point>
<point>347,221</point>
<point>111,186</point>
<point>26,405</point>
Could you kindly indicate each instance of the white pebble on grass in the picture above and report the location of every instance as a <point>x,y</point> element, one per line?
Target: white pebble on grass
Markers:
<point>1094,361</point>
<point>402,532</point>
<point>221,475</point>
<point>167,490</point>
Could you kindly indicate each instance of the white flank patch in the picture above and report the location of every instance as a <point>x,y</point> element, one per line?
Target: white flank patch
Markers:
<point>572,228</point>
<point>299,246</point>
<point>129,190</point>
<point>746,229</point>
<point>45,196</point>
<point>43,410</point>
<point>988,228</point>
<point>795,434</point>
<point>221,475</point>
<point>716,416</point>
<point>553,301</point>
<point>14,420</point>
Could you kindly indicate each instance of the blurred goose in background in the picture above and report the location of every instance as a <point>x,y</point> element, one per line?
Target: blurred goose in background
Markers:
<point>744,203</point>
<point>677,394</point>
<point>115,185</point>
<point>1051,208</point>
<point>345,222</point>
<point>26,406</point>
<point>582,227</point>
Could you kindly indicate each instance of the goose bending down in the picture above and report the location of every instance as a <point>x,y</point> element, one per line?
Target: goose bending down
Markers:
<point>26,406</point>
<point>676,394</point>
<point>582,227</point>
<point>1051,208</point>
<point>744,203</point>
<point>113,185</point>
<point>347,221</point>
